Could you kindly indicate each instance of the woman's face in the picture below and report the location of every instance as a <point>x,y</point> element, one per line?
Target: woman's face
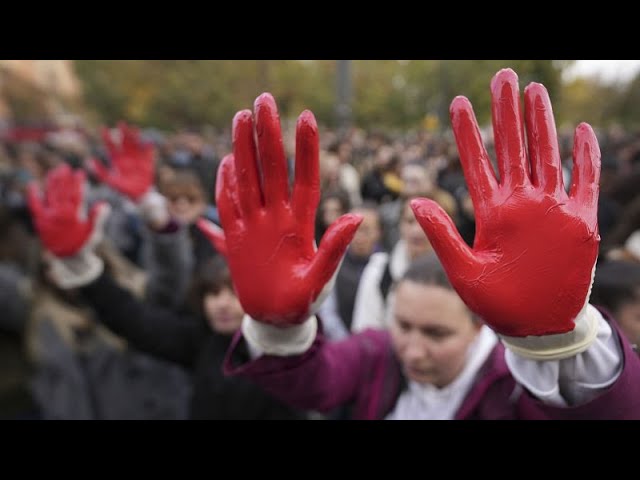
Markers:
<point>368,233</point>
<point>413,235</point>
<point>186,205</point>
<point>223,311</point>
<point>431,332</point>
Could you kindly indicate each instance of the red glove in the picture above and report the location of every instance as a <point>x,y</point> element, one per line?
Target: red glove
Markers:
<point>215,235</point>
<point>276,270</point>
<point>132,163</point>
<point>531,266</point>
<point>58,219</point>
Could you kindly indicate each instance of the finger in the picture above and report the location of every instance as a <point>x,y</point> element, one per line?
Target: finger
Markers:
<point>214,234</point>
<point>586,169</point>
<point>544,153</point>
<point>244,152</point>
<point>306,188</point>
<point>478,172</point>
<point>507,129</point>
<point>130,137</point>
<point>332,247</point>
<point>57,184</point>
<point>453,252</point>
<point>227,199</point>
<point>275,181</point>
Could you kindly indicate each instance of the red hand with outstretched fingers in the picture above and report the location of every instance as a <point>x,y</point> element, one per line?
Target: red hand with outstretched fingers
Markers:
<point>277,271</point>
<point>530,269</point>
<point>58,217</point>
<point>132,163</point>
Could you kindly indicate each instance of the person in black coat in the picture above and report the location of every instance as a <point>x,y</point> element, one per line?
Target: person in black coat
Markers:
<point>198,343</point>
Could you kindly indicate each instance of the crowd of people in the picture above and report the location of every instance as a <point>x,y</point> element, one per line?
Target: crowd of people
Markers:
<point>122,299</point>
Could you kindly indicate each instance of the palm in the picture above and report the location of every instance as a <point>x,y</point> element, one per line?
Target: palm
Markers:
<point>57,218</point>
<point>532,229</point>
<point>277,255</point>
<point>132,162</point>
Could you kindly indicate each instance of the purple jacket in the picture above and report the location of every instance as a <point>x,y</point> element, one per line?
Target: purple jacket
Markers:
<point>363,371</point>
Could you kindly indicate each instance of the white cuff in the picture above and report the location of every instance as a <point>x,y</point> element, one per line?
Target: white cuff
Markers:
<point>154,210</point>
<point>575,380</point>
<point>76,271</point>
<point>559,346</point>
<point>281,341</point>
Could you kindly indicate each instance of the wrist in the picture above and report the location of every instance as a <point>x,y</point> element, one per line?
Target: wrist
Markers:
<point>281,341</point>
<point>558,346</point>
<point>76,271</point>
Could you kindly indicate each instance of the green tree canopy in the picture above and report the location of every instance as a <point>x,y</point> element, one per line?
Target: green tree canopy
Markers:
<point>181,93</point>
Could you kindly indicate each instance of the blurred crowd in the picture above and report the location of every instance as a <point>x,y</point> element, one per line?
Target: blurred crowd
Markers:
<point>65,355</point>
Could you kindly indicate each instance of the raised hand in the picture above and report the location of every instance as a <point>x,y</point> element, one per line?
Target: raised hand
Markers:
<point>59,218</point>
<point>278,273</point>
<point>531,266</point>
<point>132,163</point>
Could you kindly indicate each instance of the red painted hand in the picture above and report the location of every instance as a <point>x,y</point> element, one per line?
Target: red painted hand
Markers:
<point>132,163</point>
<point>269,234</point>
<point>58,218</point>
<point>530,269</point>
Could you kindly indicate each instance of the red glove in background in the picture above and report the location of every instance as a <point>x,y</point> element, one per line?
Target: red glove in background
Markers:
<point>132,163</point>
<point>531,266</point>
<point>269,234</point>
<point>58,218</point>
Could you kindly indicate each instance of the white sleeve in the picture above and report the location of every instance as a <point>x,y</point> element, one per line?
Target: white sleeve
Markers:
<point>334,328</point>
<point>369,307</point>
<point>574,380</point>
<point>281,341</point>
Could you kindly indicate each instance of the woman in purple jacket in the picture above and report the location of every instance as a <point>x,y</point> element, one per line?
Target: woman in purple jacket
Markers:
<point>540,351</point>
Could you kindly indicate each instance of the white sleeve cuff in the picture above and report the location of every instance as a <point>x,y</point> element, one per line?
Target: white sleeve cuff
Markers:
<point>76,271</point>
<point>281,341</point>
<point>559,346</point>
<point>574,380</point>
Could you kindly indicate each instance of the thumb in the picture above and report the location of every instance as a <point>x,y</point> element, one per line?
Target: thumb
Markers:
<point>99,169</point>
<point>453,252</point>
<point>332,247</point>
<point>214,234</point>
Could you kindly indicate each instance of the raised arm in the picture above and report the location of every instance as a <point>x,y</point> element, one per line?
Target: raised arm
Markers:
<point>280,277</point>
<point>529,273</point>
<point>69,237</point>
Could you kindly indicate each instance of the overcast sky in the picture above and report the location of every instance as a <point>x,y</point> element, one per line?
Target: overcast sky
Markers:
<point>608,70</point>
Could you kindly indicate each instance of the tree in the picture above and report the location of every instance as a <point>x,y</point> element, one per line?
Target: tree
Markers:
<point>189,93</point>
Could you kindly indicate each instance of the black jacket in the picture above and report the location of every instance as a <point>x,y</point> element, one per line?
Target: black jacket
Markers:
<point>189,342</point>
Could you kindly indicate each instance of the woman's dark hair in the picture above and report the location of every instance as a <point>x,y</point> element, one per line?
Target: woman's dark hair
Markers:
<point>427,270</point>
<point>345,204</point>
<point>211,277</point>
<point>615,284</point>
<point>183,182</point>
